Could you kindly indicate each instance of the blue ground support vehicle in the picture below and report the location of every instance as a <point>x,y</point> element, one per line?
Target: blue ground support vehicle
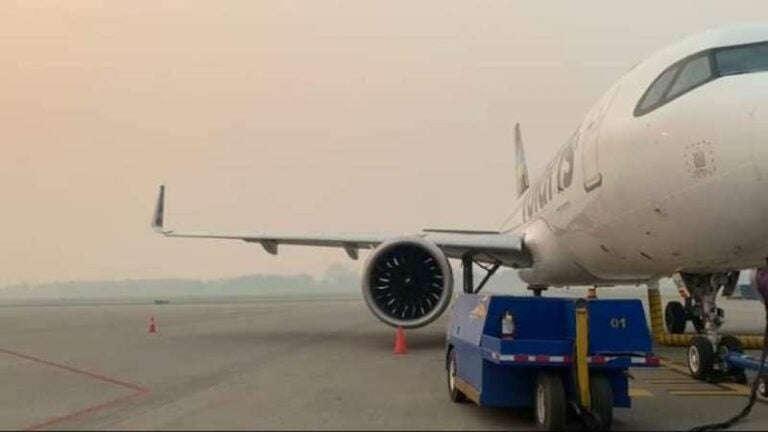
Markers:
<point>507,351</point>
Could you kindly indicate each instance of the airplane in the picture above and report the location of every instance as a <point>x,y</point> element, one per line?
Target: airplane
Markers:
<point>665,176</point>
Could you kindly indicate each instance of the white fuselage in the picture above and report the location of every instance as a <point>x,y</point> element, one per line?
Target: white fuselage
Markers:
<point>683,187</point>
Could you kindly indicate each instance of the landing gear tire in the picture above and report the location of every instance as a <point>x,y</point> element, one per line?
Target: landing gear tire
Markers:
<point>601,399</point>
<point>701,357</point>
<point>456,395</point>
<point>733,344</point>
<point>674,317</point>
<point>549,403</point>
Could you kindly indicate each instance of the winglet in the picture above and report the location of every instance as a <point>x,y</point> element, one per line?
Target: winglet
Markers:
<point>521,168</point>
<point>157,218</point>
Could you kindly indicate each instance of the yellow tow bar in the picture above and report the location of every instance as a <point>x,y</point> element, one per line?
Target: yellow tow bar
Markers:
<point>582,342</point>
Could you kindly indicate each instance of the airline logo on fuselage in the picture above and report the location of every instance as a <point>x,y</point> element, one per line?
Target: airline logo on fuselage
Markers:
<point>557,178</point>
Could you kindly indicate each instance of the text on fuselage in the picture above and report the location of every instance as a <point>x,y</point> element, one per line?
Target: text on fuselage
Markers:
<point>557,177</point>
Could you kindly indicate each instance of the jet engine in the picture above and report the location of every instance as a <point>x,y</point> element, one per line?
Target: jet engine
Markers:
<point>407,282</point>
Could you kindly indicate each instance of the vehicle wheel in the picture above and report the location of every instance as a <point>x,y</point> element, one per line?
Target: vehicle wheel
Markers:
<point>701,357</point>
<point>549,402</point>
<point>733,344</point>
<point>674,317</point>
<point>601,399</point>
<point>453,392</point>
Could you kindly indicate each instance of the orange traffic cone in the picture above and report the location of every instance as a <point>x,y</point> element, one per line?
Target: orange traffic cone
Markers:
<point>592,293</point>
<point>152,326</point>
<point>400,345</point>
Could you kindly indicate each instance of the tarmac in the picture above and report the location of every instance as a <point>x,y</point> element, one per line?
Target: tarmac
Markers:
<point>251,363</point>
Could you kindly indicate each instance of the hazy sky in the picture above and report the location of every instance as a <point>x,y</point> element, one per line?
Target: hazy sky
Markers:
<point>289,116</point>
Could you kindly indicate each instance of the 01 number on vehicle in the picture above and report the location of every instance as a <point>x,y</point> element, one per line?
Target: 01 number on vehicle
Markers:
<point>619,323</point>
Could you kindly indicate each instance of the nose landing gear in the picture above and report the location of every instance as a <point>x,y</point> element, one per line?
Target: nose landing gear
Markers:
<point>706,350</point>
<point>700,307</point>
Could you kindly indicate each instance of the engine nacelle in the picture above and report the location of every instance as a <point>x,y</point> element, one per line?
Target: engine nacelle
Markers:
<point>407,282</point>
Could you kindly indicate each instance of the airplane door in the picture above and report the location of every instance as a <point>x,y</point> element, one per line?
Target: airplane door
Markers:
<point>593,178</point>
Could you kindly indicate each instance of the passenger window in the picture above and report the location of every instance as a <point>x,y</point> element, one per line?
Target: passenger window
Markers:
<point>656,91</point>
<point>744,59</point>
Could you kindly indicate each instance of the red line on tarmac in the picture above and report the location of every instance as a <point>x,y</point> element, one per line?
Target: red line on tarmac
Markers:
<point>74,370</point>
<point>137,390</point>
<point>83,412</point>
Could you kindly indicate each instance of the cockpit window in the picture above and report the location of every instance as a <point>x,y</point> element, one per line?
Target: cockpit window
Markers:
<point>743,59</point>
<point>655,93</point>
<point>694,73</point>
<point>700,68</point>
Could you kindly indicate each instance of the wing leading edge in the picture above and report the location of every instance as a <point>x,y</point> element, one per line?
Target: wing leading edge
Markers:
<point>483,245</point>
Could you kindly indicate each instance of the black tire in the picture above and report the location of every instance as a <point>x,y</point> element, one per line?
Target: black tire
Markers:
<point>601,399</point>
<point>454,393</point>
<point>732,344</point>
<point>674,317</point>
<point>701,357</point>
<point>549,404</point>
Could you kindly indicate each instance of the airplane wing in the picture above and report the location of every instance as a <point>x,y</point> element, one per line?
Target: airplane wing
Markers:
<point>483,245</point>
